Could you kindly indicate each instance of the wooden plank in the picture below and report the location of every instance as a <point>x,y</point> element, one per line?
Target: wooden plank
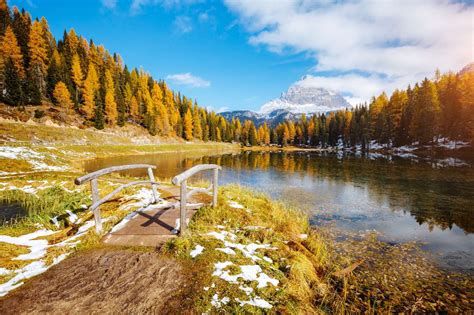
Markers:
<point>96,211</point>
<point>104,171</point>
<point>182,207</point>
<point>192,171</point>
<point>153,186</point>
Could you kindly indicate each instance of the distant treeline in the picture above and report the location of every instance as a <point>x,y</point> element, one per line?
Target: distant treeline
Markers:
<point>87,80</point>
<point>442,107</point>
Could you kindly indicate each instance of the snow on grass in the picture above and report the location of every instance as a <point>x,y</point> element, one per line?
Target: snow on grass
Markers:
<point>222,235</point>
<point>33,269</point>
<point>143,198</point>
<point>37,251</point>
<point>196,251</point>
<point>37,247</point>
<point>247,290</point>
<point>216,302</point>
<point>36,159</point>
<point>256,301</point>
<point>228,251</point>
<point>235,205</point>
<point>72,216</point>
<point>248,273</point>
<point>4,271</point>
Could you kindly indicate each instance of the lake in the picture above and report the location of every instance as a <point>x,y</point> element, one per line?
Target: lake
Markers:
<point>401,198</point>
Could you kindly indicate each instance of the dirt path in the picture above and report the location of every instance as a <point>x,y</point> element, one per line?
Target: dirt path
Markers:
<point>105,281</point>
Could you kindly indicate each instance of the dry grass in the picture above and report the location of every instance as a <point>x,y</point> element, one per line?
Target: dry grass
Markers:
<point>299,265</point>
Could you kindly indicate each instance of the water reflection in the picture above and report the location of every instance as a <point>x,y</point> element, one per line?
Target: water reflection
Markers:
<point>403,199</point>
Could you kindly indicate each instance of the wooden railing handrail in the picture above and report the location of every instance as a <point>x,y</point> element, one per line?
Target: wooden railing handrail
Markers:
<point>96,202</point>
<point>182,179</point>
<point>178,179</point>
<point>119,189</point>
<point>86,178</point>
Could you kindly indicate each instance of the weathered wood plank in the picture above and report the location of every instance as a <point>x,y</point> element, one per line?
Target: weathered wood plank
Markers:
<point>96,211</point>
<point>153,186</point>
<point>192,171</point>
<point>83,179</point>
<point>182,207</point>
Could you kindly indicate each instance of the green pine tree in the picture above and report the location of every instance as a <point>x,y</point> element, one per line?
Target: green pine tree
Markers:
<point>13,94</point>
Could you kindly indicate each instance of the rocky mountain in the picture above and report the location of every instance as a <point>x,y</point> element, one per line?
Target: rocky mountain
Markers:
<point>467,69</point>
<point>300,98</point>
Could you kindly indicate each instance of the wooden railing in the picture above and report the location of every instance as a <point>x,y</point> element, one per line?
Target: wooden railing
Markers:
<point>181,180</point>
<point>96,202</point>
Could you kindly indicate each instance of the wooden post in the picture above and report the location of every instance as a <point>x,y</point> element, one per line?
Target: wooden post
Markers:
<point>95,198</point>
<point>214,188</point>
<point>182,208</point>
<point>153,186</point>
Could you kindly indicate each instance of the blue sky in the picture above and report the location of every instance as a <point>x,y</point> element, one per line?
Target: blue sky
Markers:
<point>238,54</point>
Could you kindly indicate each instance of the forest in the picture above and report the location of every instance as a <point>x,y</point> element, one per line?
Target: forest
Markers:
<point>442,107</point>
<point>87,80</point>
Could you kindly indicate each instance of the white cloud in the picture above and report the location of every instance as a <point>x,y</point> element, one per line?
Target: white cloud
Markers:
<point>183,24</point>
<point>392,42</point>
<point>109,4</point>
<point>203,17</point>
<point>188,79</point>
<point>218,110</point>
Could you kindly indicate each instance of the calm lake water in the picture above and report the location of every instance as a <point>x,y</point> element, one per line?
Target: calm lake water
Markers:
<point>403,199</point>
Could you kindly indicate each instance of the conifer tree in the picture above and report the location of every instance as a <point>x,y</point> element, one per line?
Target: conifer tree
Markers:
<point>4,17</point>
<point>10,49</point>
<point>134,107</point>
<point>53,74</point>
<point>99,119</point>
<point>91,85</point>
<point>21,25</point>
<point>13,94</point>
<point>188,125</point>
<point>285,135</point>
<point>110,104</point>
<point>197,130</point>
<point>62,96</point>
<point>38,55</point>
<point>32,89</point>
<point>77,76</point>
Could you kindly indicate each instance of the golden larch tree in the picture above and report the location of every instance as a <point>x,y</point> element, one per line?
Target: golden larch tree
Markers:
<point>62,96</point>
<point>197,131</point>
<point>11,49</point>
<point>91,85</point>
<point>110,104</point>
<point>76,75</point>
<point>188,125</point>
<point>134,107</point>
<point>38,50</point>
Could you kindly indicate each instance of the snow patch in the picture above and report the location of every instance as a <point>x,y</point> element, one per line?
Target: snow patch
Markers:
<point>196,251</point>
<point>235,205</point>
<point>256,301</point>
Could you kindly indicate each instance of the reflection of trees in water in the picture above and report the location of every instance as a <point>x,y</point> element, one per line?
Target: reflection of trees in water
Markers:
<point>436,197</point>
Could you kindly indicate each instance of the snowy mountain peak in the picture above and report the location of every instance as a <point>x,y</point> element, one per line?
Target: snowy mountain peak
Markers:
<point>303,98</point>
